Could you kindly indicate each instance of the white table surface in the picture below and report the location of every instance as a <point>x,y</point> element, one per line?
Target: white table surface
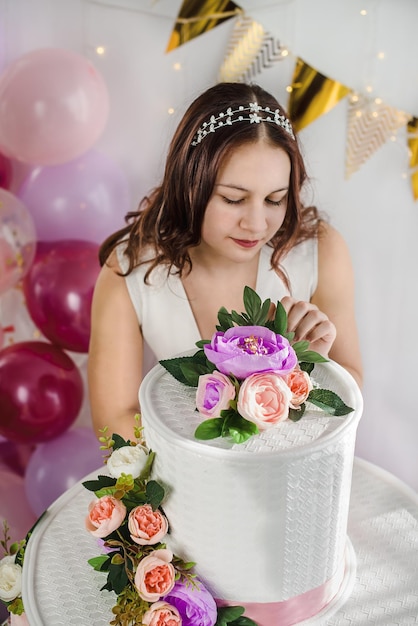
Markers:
<point>61,589</point>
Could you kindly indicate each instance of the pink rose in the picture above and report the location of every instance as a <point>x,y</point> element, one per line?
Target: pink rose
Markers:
<point>146,526</point>
<point>214,391</point>
<point>154,576</point>
<point>161,614</point>
<point>105,515</point>
<point>264,399</point>
<point>300,384</point>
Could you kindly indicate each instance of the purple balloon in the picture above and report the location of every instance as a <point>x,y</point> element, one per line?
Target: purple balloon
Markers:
<point>57,465</point>
<point>83,199</point>
<point>59,289</point>
<point>41,392</point>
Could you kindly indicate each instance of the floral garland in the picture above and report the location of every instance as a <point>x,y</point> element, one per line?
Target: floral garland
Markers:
<point>249,376</point>
<point>154,587</point>
<point>11,573</point>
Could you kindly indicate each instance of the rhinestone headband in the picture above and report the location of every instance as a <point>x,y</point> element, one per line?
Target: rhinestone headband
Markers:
<point>241,115</point>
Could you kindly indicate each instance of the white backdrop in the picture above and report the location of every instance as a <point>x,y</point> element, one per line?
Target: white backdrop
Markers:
<point>374,209</point>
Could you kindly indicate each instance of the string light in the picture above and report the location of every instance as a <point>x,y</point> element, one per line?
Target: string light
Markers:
<point>177,66</point>
<point>363,12</point>
<point>380,56</point>
<point>100,50</point>
<point>170,111</point>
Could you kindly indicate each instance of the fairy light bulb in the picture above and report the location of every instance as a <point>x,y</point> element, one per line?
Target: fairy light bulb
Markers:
<point>100,50</point>
<point>177,66</point>
<point>363,12</point>
<point>170,110</point>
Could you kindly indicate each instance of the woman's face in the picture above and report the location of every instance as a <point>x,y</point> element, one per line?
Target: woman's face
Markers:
<point>248,204</point>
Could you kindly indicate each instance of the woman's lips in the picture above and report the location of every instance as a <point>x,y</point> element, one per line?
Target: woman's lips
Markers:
<point>245,243</point>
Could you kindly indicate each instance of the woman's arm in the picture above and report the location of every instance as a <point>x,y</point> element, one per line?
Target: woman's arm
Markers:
<point>328,320</point>
<point>115,355</point>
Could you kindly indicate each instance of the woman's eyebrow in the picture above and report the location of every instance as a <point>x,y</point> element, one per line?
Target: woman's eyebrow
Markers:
<point>239,188</point>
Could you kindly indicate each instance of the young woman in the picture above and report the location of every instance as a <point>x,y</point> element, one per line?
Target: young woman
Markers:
<point>227,214</point>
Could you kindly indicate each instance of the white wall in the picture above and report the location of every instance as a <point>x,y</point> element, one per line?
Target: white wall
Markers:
<point>375,209</point>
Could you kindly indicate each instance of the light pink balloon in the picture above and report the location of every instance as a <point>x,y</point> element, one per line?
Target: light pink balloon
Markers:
<point>17,240</point>
<point>54,106</point>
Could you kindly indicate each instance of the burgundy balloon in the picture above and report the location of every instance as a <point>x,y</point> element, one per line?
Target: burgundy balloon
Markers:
<point>59,289</point>
<point>6,172</point>
<point>41,392</point>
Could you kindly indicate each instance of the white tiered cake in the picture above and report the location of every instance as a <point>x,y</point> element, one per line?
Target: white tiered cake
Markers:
<point>265,521</point>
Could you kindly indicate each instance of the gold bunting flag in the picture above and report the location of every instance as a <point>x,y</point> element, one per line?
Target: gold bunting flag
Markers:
<point>413,151</point>
<point>250,50</point>
<point>370,124</point>
<point>312,94</point>
<point>199,16</point>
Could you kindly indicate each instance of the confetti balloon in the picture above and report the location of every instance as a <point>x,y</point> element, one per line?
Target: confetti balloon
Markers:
<point>17,240</point>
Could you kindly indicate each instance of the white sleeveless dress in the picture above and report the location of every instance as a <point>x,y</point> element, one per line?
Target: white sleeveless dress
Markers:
<point>164,313</point>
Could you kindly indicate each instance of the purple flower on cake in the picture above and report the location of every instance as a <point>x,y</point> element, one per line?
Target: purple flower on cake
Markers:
<point>155,575</point>
<point>264,399</point>
<point>161,614</point>
<point>147,527</point>
<point>214,392</point>
<point>194,603</point>
<point>127,460</point>
<point>244,350</point>
<point>10,579</point>
<point>105,515</point>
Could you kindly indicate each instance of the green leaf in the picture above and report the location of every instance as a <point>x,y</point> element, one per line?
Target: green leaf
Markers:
<point>146,470</point>
<point>100,563</point>
<point>306,367</point>
<point>280,319</point>
<point>329,402</point>
<point>252,302</point>
<point>296,414</point>
<point>237,427</point>
<point>202,342</point>
<point>100,483</point>
<point>180,367</point>
<point>261,319</point>
<point>233,615</point>
<point>191,372</point>
<point>117,578</point>
<point>310,356</point>
<point>209,429</point>
<point>119,442</point>
<point>155,494</point>
<point>224,319</point>
<point>229,613</point>
<point>300,346</point>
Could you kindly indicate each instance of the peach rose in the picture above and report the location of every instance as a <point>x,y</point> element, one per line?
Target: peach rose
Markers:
<point>154,576</point>
<point>106,514</point>
<point>161,614</point>
<point>300,384</point>
<point>264,399</point>
<point>146,526</point>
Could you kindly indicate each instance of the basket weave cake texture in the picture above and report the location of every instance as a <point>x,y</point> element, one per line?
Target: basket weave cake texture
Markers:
<point>265,521</point>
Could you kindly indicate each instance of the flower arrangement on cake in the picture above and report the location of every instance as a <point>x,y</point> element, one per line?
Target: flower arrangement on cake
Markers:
<point>11,577</point>
<point>154,587</point>
<point>250,376</point>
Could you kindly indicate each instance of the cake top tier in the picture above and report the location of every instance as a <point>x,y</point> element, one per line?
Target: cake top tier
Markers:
<point>170,407</point>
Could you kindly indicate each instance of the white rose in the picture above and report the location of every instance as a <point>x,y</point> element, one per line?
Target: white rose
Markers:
<point>10,579</point>
<point>127,460</point>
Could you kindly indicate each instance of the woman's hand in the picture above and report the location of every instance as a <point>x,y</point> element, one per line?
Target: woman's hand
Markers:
<point>309,323</point>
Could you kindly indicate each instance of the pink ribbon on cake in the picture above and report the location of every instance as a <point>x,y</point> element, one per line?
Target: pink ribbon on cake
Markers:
<point>293,610</point>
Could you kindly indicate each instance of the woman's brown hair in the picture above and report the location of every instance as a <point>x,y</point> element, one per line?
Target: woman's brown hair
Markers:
<point>169,221</point>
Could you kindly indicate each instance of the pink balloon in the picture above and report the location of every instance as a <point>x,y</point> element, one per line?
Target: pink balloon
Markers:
<point>54,106</point>
<point>17,240</point>
<point>59,289</point>
<point>85,199</point>
<point>57,465</point>
<point>41,391</point>
<point>6,171</point>
<point>14,506</point>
